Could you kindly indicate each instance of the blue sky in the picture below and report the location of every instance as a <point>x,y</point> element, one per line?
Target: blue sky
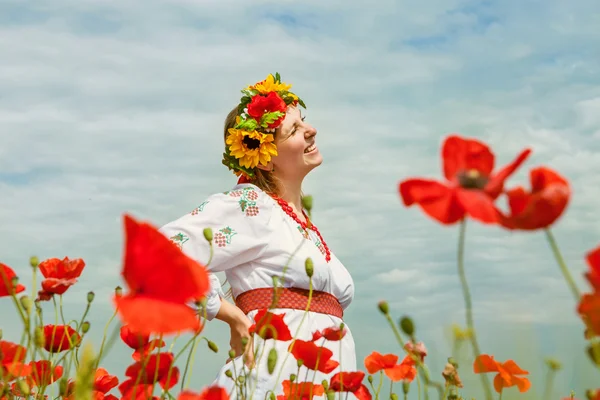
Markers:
<point>117,106</point>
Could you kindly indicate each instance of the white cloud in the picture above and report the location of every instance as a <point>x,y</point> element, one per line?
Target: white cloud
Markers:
<point>108,107</point>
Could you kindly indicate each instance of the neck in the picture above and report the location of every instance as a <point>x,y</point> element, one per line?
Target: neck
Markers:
<point>291,191</point>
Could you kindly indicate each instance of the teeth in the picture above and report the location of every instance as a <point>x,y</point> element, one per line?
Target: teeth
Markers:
<point>310,148</point>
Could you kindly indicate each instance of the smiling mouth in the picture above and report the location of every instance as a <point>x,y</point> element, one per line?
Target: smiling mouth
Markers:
<point>310,148</point>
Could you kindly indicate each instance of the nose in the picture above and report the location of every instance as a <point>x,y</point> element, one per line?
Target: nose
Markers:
<point>310,131</point>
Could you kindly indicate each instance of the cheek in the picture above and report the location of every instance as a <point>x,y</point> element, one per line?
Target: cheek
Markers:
<point>291,148</point>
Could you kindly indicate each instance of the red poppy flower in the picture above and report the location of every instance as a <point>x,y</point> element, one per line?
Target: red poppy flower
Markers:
<point>471,185</point>
<point>418,350</point>
<point>44,296</point>
<point>589,310</point>
<point>104,382</point>
<point>350,382</point>
<point>43,374</point>
<point>333,333</point>
<point>161,280</point>
<point>260,105</point>
<point>406,370</point>
<point>313,357</point>
<point>209,393</point>
<point>593,274</point>
<point>300,390</point>
<point>130,391</point>
<point>60,274</point>
<point>540,207</point>
<point>270,326</point>
<point>157,366</point>
<point>133,339</point>
<point>6,281</point>
<point>12,356</point>
<point>59,338</point>
<point>507,373</point>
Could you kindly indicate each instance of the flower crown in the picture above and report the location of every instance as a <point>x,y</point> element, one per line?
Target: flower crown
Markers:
<point>261,110</point>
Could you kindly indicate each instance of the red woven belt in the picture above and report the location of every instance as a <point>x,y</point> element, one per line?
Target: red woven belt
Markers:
<point>320,302</point>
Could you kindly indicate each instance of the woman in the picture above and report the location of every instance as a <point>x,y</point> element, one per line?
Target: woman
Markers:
<point>259,229</point>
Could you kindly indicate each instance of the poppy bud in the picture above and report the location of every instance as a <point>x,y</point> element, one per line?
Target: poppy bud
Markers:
<point>26,303</point>
<point>90,297</point>
<point>23,387</point>
<point>405,387</point>
<point>213,346</point>
<point>553,364</point>
<point>325,384</point>
<point>292,377</point>
<point>34,262</point>
<point>593,351</point>
<point>38,337</point>
<point>272,396</point>
<point>370,379</point>
<point>241,379</point>
<point>85,327</point>
<point>300,363</point>
<point>0,334</point>
<point>308,265</point>
<point>228,373</point>
<point>15,282</point>
<point>208,234</point>
<point>407,326</point>
<point>307,203</point>
<point>591,394</point>
<point>393,396</point>
<point>118,291</point>
<point>330,395</point>
<point>231,353</point>
<point>383,307</point>
<point>63,386</point>
<point>272,361</point>
<point>244,342</point>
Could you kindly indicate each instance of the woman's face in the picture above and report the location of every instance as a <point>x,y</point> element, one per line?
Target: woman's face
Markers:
<point>296,148</point>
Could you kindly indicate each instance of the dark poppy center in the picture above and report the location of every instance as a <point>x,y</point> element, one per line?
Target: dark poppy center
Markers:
<point>472,179</point>
<point>251,143</point>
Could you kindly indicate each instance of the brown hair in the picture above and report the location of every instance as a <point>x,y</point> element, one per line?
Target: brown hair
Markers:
<point>265,180</point>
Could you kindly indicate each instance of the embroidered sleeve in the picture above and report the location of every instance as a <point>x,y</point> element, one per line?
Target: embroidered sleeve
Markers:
<point>239,220</point>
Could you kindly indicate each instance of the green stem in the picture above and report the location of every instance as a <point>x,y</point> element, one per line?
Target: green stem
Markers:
<point>549,382</point>
<point>468,304</point>
<point>424,373</point>
<point>104,339</point>
<point>563,266</point>
<point>189,364</point>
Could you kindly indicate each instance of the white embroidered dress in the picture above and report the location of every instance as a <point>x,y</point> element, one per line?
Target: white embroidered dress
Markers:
<point>253,240</point>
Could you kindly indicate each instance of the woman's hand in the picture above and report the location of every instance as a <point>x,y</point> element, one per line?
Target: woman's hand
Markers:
<point>239,325</point>
<point>240,333</point>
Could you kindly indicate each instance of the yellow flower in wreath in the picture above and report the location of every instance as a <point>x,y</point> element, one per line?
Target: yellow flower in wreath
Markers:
<point>251,147</point>
<point>269,85</point>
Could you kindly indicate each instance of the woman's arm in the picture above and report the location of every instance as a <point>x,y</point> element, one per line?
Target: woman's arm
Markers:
<point>239,324</point>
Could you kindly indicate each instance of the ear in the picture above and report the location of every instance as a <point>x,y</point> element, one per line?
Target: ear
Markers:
<point>269,167</point>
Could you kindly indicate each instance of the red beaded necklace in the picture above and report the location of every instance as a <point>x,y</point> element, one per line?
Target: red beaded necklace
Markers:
<point>305,225</point>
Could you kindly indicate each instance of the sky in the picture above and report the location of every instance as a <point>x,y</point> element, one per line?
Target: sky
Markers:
<point>113,106</point>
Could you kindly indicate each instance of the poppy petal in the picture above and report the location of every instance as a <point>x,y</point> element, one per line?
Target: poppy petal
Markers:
<point>485,363</point>
<point>460,154</point>
<point>155,266</point>
<point>496,184</point>
<point>478,205</point>
<point>512,368</point>
<point>146,315</point>
<point>435,199</point>
<point>522,383</point>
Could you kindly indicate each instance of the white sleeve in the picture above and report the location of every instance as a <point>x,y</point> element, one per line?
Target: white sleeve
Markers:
<point>239,220</point>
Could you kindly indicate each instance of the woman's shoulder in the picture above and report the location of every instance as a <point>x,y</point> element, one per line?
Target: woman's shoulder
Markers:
<point>244,199</point>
